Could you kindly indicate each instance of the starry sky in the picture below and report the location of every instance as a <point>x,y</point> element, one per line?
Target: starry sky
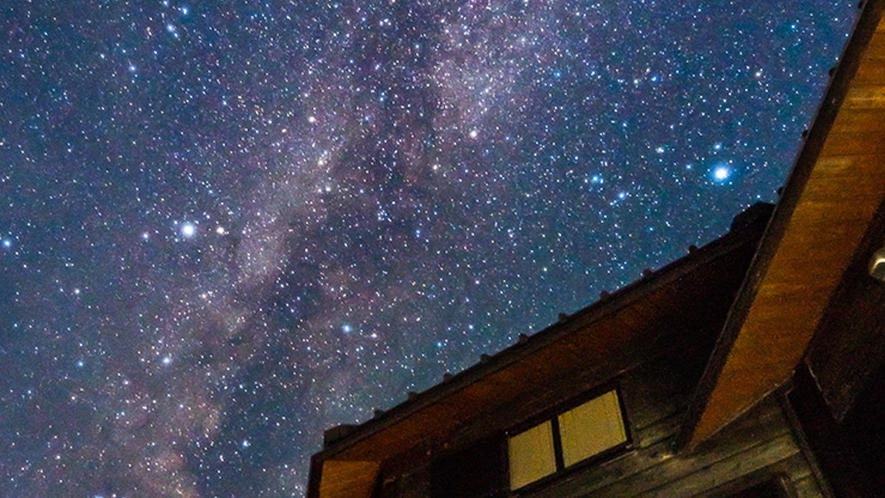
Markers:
<point>226,226</point>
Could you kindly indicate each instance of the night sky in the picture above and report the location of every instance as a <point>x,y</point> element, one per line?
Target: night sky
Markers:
<point>226,226</point>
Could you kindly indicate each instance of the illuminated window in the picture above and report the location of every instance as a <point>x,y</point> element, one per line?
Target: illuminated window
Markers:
<point>591,428</point>
<point>532,455</point>
<point>573,436</point>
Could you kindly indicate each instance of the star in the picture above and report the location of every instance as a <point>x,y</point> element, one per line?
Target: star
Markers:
<point>721,173</point>
<point>188,230</point>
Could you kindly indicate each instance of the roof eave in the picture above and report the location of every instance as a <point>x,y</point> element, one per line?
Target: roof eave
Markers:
<point>729,388</point>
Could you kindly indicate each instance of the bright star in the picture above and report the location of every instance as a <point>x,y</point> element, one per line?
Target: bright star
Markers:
<point>188,230</point>
<point>721,173</point>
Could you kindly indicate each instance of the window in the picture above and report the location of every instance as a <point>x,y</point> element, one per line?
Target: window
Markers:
<point>532,455</point>
<point>572,436</point>
<point>591,428</point>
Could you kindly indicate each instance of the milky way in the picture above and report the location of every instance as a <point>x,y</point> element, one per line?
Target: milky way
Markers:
<point>227,226</point>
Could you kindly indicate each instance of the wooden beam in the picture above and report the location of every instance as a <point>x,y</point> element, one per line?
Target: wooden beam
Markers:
<point>831,196</point>
<point>343,479</point>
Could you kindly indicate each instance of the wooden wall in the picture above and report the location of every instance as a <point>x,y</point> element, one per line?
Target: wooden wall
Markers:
<point>759,446</point>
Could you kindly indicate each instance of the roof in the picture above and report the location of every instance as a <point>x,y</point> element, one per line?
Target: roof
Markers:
<point>830,199</point>
<point>595,344</point>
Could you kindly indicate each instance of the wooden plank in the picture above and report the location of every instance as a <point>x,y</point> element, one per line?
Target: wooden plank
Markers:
<point>865,97</point>
<point>703,474</point>
<point>348,479</point>
<point>770,460</point>
<point>876,48</point>
<point>815,212</point>
<point>794,469</point>
<point>664,428</point>
<point>834,167</point>
<point>854,144</point>
<point>871,72</point>
<point>826,254</point>
<point>807,487</point>
<point>858,120</point>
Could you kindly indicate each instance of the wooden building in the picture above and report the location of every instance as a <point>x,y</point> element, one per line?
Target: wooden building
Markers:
<point>753,366</point>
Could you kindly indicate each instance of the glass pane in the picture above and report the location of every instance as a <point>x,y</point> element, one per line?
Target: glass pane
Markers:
<point>531,455</point>
<point>591,428</point>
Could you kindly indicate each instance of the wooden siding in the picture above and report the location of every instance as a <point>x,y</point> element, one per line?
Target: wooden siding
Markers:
<point>759,446</point>
<point>346,479</point>
<point>761,443</point>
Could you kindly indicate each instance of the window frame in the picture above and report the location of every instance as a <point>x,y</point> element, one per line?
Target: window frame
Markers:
<point>552,415</point>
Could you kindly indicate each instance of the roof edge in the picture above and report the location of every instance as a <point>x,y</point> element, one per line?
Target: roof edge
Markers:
<point>834,96</point>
